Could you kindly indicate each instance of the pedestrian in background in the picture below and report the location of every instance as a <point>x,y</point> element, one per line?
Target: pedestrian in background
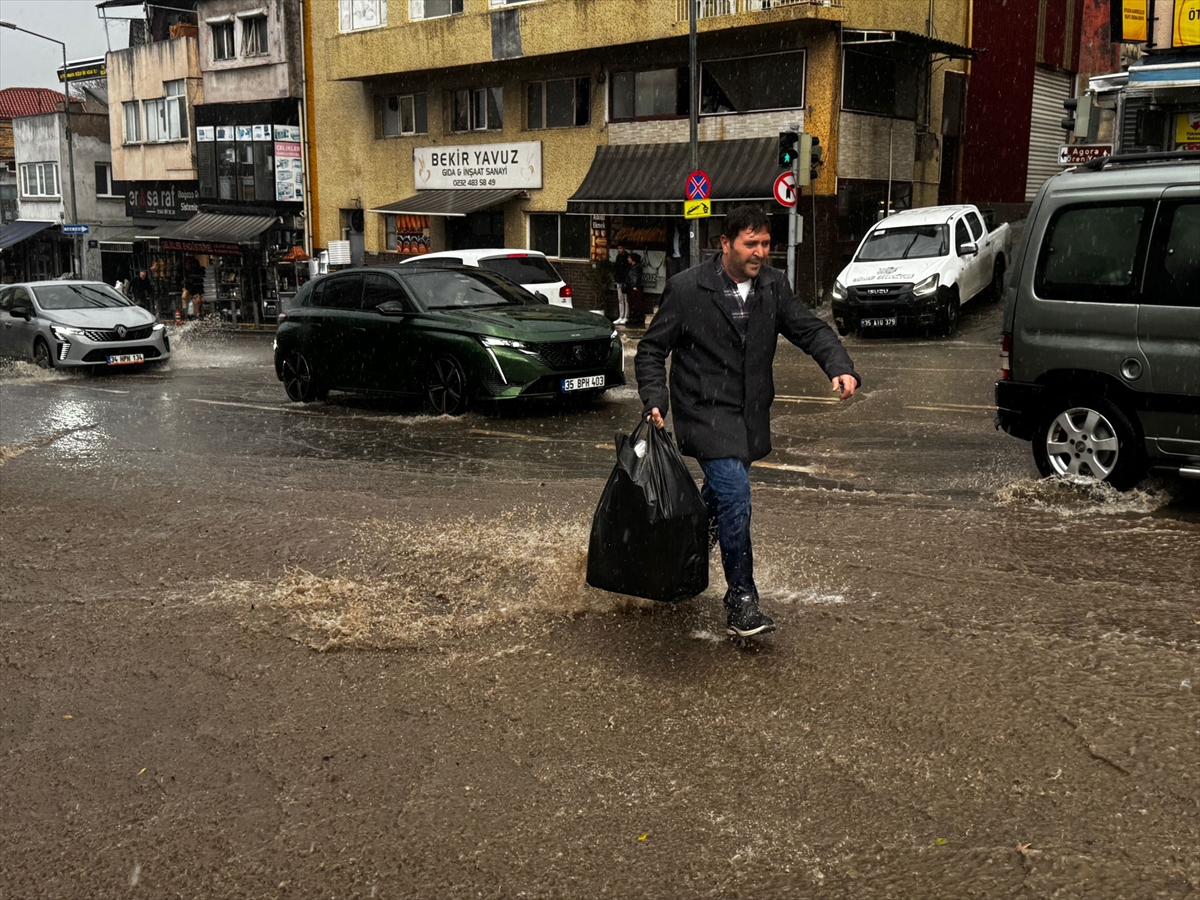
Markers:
<point>719,322</point>
<point>621,277</point>
<point>633,291</point>
<point>140,290</point>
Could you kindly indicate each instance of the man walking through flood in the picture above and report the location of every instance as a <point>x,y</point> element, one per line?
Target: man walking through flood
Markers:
<point>719,321</point>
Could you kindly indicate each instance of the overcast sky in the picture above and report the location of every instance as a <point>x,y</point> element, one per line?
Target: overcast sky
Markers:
<point>27,61</point>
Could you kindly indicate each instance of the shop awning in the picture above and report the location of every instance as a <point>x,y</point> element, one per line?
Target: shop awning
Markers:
<point>649,179</point>
<point>1174,75</point>
<point>17,231</point>
<point>859,37</point>
<point>122,241</point>
<point>446,203</point>
<point>218,227</point>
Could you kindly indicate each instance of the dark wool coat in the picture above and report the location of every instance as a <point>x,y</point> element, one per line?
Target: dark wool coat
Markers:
<point>723,386</point>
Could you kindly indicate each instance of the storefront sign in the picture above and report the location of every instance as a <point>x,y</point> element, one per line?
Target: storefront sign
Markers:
<point>289,171</point>
<point>1077,154</point>
<point>1187,131</point>
<point>1128,21</point>
<point>287,133</point>
<point>87,70</point>
<point>1186,32</point>
<point>160,199</point>
<point>214,248</point>
<point>479,166</point>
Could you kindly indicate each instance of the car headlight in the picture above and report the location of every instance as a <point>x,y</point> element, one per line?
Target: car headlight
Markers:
<point>503,342</point>
<point>616,335</point>
<point>158,326</point>
<point>63,333</point>
<point>839,290</point>
<point>926,287</point>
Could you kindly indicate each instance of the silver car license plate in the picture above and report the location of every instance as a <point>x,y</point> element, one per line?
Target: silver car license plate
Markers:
<point>885,322</point>
<point>581,384</point>
<point>125,359</point>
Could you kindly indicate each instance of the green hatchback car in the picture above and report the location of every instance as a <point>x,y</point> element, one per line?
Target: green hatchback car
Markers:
<point>453,336</point>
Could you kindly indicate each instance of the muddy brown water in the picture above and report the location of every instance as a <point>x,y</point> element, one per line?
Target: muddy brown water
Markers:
<point>249,664</point>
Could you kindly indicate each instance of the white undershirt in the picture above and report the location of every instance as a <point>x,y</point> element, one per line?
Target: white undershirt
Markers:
<point>744,289</point>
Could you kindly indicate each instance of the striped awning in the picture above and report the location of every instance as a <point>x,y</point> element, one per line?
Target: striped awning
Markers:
<point>446,203</point>
<point>649,179</point>
<point>218,227</point>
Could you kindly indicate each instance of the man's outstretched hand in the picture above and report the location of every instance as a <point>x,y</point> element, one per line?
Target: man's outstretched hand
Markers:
<point>844,384</point>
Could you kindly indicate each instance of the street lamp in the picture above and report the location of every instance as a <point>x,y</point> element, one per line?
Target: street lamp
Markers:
<point>75,261</point>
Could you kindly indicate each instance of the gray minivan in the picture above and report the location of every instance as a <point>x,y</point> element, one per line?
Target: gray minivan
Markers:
<point>1101,342</point>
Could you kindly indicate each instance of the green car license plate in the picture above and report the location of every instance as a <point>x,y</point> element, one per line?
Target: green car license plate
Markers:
<point>125,359</point>
<point>582,384</point>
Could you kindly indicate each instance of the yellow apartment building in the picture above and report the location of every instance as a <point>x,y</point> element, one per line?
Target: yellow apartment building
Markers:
<point>563,125</point>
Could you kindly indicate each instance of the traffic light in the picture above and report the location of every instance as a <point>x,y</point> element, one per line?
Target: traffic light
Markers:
<point>816,158</point>
<point>788,142</point>
<point>1079,115</point>
<point>804,168</point>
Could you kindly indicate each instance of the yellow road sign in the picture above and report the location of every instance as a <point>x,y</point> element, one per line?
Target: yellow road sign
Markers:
<point>697,209</point>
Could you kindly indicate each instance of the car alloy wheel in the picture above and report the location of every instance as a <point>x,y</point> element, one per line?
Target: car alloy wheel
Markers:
<point>995,290</point>
<point>948,323</point>
<point>446,388</point>
<point>299,380</point>
<point>41,355</point>
<point>1090,441</point>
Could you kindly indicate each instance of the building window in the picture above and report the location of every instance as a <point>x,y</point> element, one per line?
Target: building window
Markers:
<point>881,85</point>
<point>405,114</point>
<point>355,15</point>
<point>655,94</point>
<point>863,203</point>
<point>166,118</point>
<point>561,236</point>
<point>104,183</point>
<point>254,36</point>
<point>478,110</point>
<point>133,122</point>
<point>433,9</point>
<point>500,4</point>
<point>222,40</point>
<point>39,179</point>
<point>752,83</point>
<point>558,104</point>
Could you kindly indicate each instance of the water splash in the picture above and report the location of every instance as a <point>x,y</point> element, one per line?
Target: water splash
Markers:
<point>1072,499</point>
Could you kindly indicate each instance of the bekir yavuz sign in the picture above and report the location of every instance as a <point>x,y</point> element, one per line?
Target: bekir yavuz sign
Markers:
<point>467,166</point>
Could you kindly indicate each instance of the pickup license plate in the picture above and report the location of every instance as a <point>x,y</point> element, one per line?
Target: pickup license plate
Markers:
<point>582,384</point>
<point>125,359</point>
<point>886,322</point>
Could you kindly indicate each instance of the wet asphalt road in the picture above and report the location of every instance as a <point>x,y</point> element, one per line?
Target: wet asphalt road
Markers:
<point>254,649</point>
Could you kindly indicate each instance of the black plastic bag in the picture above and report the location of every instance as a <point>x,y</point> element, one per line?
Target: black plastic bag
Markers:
<point>650,531</point>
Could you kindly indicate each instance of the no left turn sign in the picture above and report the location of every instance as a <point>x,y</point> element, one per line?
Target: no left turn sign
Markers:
<point>785,189</point>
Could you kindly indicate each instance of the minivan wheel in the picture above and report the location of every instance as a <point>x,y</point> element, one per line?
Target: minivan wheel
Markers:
<point>299,378</point>
<point>446,387</point>
<point>41,354</point>
<point>1090,440</point>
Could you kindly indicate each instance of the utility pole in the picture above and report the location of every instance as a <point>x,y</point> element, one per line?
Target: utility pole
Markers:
<point>792,229</point>
<point>693,126</point>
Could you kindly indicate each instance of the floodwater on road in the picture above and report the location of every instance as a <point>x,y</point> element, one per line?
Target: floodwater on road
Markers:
<point>345,649</point>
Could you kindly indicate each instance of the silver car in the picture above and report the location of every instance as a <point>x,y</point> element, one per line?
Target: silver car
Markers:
<point>77,323</point>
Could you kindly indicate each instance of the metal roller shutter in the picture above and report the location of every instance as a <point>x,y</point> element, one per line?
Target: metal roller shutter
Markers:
<point>1050,89</point>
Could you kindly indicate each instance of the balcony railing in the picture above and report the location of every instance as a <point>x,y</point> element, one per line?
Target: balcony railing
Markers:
<point>708,9</point>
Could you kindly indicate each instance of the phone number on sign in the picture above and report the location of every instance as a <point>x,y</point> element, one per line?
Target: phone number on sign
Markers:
<point>473,182</point>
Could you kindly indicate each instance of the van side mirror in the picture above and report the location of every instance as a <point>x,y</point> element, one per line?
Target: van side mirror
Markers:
<point>970,248</point>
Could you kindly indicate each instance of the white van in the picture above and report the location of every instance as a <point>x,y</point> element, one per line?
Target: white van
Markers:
<point>528,268</point>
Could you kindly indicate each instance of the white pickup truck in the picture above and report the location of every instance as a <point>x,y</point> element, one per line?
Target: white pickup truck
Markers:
<point>918,268</point>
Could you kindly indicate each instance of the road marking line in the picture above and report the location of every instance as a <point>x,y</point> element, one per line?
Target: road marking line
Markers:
<point>801,399</point>
<point>806,470</point>
<point>287,409</point>
<point>81,387</point>
<point>510,434</point>
<point>962,409</point>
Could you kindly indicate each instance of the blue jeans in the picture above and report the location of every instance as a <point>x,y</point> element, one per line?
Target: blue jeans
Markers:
<point>726,493</point>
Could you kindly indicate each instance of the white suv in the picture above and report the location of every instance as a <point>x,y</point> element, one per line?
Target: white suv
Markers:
<point>528,268</point>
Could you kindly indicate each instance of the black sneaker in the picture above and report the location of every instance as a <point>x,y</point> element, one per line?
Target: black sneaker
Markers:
<point>747,620</point>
